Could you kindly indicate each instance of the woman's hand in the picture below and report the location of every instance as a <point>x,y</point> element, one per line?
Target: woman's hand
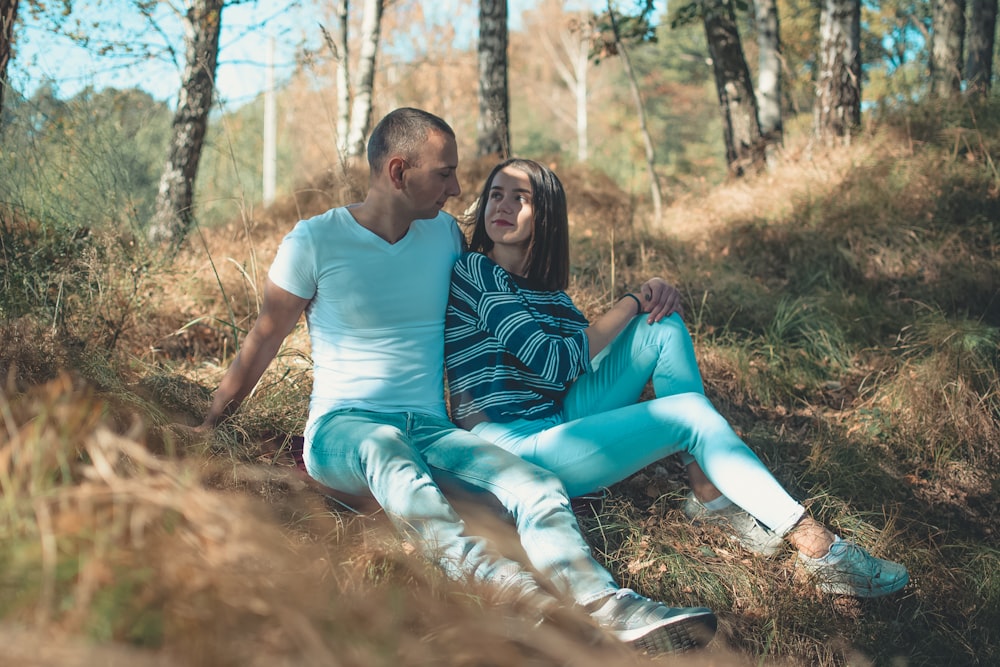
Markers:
<point>660,299</point>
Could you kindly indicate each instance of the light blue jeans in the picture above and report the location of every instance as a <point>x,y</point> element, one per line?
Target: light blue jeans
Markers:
<point>603,435</point>
<point>404,459</point>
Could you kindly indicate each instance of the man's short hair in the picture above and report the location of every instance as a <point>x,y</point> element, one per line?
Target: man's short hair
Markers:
<point>402,132</point>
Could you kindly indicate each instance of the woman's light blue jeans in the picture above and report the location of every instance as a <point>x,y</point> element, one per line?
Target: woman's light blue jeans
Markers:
<point>603,435</point>
<point>404,459</point>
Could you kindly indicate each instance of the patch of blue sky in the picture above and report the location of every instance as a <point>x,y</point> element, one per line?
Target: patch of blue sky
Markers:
<point>116,46</point>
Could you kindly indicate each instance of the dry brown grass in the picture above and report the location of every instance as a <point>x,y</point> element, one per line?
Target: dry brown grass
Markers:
<point>845,313</point>
<point>172,560</point>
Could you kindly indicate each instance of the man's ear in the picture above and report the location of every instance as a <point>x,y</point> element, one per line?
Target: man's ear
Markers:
<point>396,166</point>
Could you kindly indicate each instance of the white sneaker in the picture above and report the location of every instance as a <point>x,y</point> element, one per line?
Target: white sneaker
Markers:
<point>520,591</point>
<point>739,524</point>
<point>652,626</point>
<point>850,570</point>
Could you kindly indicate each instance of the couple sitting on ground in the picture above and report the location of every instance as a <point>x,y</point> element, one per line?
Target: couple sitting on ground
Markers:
<point>547,401</point>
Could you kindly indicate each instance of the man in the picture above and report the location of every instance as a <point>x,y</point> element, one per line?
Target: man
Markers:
<point>373,281</point>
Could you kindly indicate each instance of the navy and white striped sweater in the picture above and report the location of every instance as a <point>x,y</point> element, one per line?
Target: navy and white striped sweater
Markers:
<point>511,351</point>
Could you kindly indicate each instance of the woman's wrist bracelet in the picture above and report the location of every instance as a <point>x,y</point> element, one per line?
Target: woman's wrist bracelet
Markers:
<point>638,303</point>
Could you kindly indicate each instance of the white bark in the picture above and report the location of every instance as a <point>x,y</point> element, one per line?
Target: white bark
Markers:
<point>838,84</point>
<point>342,78</point>
<point>571,60</point>
<point>769,66</point>
<point>173,217</point>
<point>361,108</point>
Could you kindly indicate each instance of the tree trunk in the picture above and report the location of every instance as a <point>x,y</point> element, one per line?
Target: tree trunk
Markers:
<point>741,126</point>
<point>654,181</point>
<point>269,159</point>
<point>173,217</point>
<point>947,36</point>
<point>493,127</point>
<point>361,109</point>
<point>838,84</point>
<point>982,35</point>
<point>343,81</point>
<point>572,62</point>
<point>8,14</point>
<point>582,117</point>
<point>769,77</point>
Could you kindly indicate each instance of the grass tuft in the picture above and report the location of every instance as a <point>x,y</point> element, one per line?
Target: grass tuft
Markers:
<point>845,314</point>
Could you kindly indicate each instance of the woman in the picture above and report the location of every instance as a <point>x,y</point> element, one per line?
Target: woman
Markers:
<point>528,372</point>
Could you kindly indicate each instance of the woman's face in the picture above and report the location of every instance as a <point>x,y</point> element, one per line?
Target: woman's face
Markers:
<point>509,215</point>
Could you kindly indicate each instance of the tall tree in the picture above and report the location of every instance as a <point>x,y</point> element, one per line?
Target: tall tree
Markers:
<point>173,216</point>
<point>493,127</point>
<point>837,112</point>
<point>8,14</point>
<point>769,70</point>
<point>741,125</point>
<point>339,45</point>
<point>361,107</point>
<point>567,44</point>
<point>947,37</point>
<point>647,140</point>
<point>982,36</point>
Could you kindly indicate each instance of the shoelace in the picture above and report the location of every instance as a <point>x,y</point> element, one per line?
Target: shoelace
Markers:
<point>857,554</point>
<point>628,592</point>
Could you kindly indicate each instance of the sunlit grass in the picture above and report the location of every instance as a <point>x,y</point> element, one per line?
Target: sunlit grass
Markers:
<point>845,314</point>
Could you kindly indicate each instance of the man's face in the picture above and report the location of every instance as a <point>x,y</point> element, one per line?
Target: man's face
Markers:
<point>431,180</point>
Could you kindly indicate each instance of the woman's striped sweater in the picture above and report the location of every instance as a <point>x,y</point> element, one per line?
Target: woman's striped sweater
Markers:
<point>510,351</point>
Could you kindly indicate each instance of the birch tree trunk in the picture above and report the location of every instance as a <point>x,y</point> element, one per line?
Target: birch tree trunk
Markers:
<point>8,14</point>
<point>741,126</point>
<point>769,66</point>
<point>342,79</point>
<point>173,216</point>
<point>982,37</point>
<point>571,59</point>
<point>493,125</point>
<point>361,108</point>
<point>838,85</point>
<point>947,37</point>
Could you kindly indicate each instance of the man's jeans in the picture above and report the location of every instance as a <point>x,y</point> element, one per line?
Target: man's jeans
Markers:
<point>603,435</point>
<point>401,459</point>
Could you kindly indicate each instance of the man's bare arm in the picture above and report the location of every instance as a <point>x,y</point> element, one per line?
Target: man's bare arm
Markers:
<point>278,315</point>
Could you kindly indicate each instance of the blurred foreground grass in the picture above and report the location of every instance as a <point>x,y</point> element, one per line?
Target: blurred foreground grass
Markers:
<point>846,314</point>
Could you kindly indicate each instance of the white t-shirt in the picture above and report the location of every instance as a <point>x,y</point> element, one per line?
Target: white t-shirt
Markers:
<point>376,311</point>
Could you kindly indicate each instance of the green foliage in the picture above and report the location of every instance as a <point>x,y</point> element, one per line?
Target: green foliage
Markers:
<point>230,175</point>
<point>57,155</point>
<point>893,50</point>
<point>616,26</point>
<point>80,181</point>
<point>529,134</point>
<point>681,114</point>
<point>845,316</point>
<point>687,14</point>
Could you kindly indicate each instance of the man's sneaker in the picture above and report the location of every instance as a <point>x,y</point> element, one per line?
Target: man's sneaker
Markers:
<point>520,591</point>
<point>534,608</point>
<point>850,570</point>
<point>740,525</point>
<point>653,626</point>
